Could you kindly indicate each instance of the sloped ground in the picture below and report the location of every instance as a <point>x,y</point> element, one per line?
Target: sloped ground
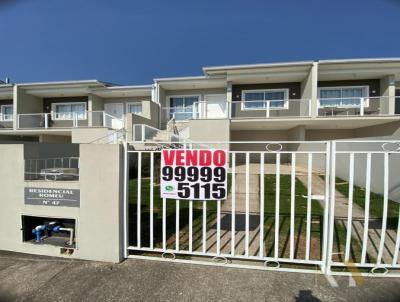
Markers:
<point>32,278</point>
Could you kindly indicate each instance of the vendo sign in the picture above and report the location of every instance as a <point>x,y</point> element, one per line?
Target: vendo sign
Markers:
<point>194,174</point>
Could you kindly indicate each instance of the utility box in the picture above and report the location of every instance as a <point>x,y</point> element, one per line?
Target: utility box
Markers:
<point>60,232</point>
<point>62,200</point>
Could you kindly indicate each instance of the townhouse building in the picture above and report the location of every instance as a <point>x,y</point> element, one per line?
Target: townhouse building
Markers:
<point>314,100</point>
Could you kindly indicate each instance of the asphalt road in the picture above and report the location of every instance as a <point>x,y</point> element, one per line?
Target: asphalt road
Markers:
<point>33,278</point>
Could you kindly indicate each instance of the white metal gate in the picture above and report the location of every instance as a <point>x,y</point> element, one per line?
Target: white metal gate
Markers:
<point>364,207</point>
<point>284,209</point>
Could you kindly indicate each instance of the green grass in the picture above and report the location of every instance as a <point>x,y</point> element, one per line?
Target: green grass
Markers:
<point>376,202</point>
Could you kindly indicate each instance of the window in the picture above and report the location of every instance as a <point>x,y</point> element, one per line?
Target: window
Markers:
<point>7,112</point>
<point>181,107</point>
<point>343,96</point>
<point>274,99</point>
<point>68,111</point>
<point>135,107</point>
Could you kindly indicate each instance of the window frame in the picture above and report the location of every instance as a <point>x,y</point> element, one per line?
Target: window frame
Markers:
<point>135,102</point>
<point>2,114</point>
<point>366,98</point>
<point>54,113</point>
<point>169,97</point>
<point>285,100</point>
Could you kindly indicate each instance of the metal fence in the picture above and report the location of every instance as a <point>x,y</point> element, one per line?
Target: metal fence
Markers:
<point>54,169</point>
<point>364,206</point>
<point>301,206</point>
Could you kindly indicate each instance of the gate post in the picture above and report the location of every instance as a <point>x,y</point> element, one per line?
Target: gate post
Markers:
<point>330,207</point>
<point>126,201</point>
<point>326,209</point>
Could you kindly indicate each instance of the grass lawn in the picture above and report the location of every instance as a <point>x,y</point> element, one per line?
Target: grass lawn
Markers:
<point>376,202</point>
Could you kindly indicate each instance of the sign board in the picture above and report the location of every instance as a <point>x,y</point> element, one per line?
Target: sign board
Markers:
<point>52,197</point>
<point>194,174</point>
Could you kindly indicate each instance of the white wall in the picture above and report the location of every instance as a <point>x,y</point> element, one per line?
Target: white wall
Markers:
<point>98,219</point>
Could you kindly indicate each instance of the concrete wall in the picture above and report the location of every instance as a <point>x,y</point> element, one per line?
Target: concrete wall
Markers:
<point>89,135</point>
<point>377,167</point>
<point>25,103</point>
<point>12,204</point>
<point>309,88</point>
<point>98,219</point>
<point>260,136</point>
<point>388,130</point>
<point>329,134</point>
<point>391,130</point>
<point>101,202</point>
<point>388,90</point>
<point>210,131</point>
<point>46,138</point>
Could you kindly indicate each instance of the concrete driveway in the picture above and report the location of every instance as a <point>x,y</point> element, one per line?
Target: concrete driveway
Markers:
<point>32,278</point>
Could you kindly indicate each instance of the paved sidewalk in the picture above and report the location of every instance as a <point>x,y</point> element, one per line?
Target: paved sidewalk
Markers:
<point>32,278</point>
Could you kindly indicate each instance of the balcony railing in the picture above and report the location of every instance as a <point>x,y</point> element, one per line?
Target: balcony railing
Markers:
<point>356,106</point>
<point>240,110</point>
<point>55,169</point>
<point>68,120</point>
<point>291,108</point>
<point>143,133</point>
<point>270,109</point>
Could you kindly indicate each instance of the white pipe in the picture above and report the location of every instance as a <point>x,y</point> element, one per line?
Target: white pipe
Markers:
<point>71,234</point>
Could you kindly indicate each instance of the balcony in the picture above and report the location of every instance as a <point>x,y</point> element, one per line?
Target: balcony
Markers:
<point>68,120</point>
<point>290,108</point>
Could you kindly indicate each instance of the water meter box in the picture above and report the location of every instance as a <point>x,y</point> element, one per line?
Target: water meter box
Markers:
<point>49,230</point>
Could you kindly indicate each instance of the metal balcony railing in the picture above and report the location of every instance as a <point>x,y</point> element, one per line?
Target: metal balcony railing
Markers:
<point>68,120</point>
<point>356,106</point>
<point>54,169</point>
<point>143,133</point>
<point>286,108</point>
<point>240,110</point>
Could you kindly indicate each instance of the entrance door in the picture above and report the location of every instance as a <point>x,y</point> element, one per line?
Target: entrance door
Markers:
<point>215,106</point>
<point>115,112</point>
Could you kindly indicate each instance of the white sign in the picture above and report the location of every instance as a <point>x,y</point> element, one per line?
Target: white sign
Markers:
<point>194,174</point>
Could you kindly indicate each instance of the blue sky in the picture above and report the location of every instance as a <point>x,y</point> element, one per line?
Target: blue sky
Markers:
<point>132,42</point>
